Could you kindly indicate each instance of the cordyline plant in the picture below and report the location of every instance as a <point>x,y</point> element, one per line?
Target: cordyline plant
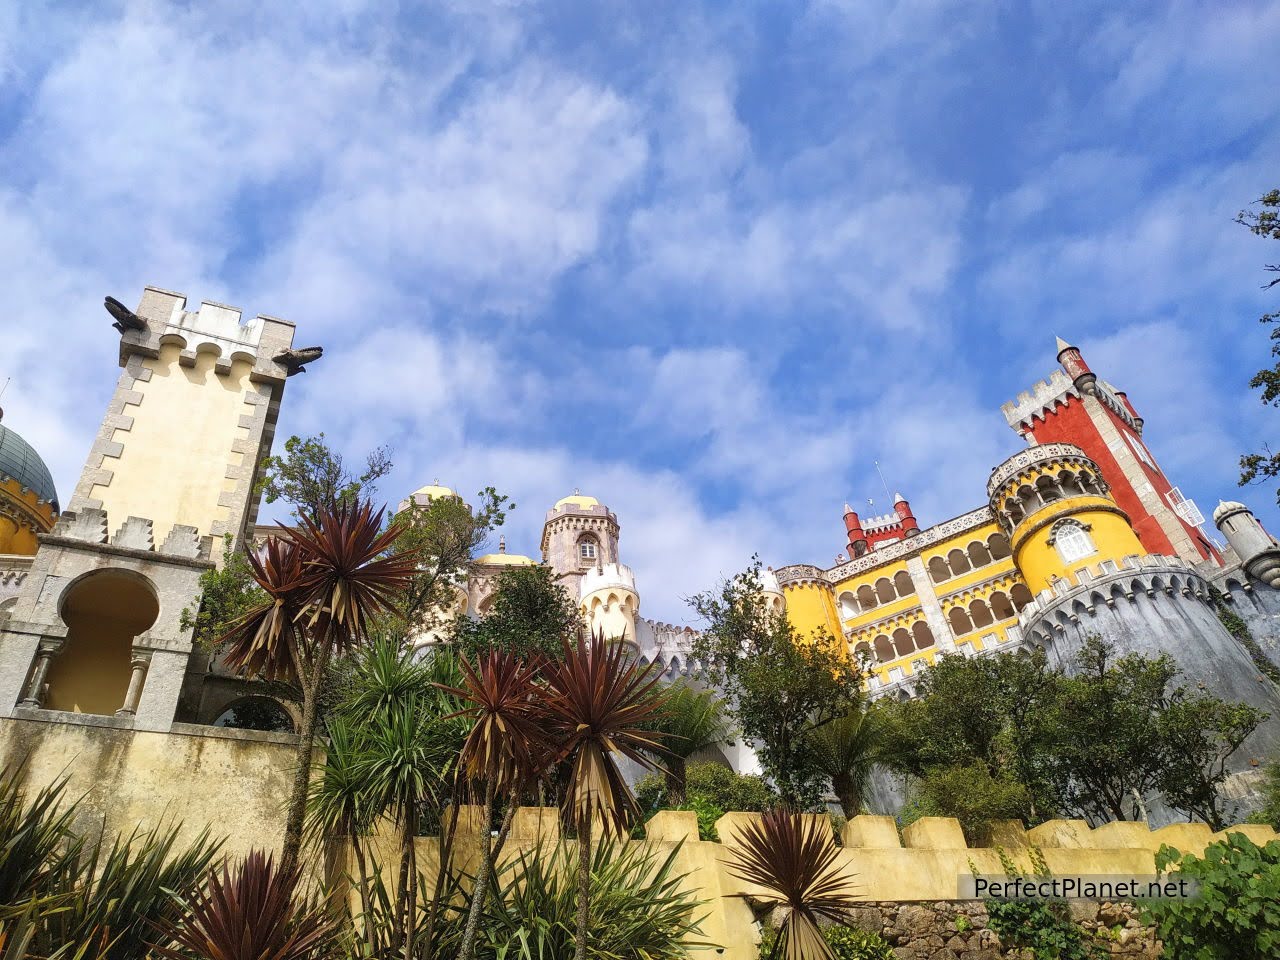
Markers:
<point>507,750</point>
<point>324,581</point>
<point>252,913</point>
<point>600,705</point>
<point>793,858</point>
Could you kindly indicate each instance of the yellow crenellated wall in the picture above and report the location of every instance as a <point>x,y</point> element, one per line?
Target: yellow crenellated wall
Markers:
<point>811,607</point>
<point>1108,527</point>
<point>23,519</point>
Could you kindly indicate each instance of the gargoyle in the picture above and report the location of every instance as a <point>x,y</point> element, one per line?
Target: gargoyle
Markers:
<point>126,319</point>
<point>295,360</point>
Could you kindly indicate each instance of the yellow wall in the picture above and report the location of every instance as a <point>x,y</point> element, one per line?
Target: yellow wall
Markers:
<point>103,613</point>
<point>20,536</point>
<point>1040,562</point>
<point>182,435</point>
<point>811,607</point>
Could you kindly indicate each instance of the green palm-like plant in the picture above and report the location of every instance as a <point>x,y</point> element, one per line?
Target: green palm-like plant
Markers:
<point>325,581</point>
<point>847,750</point>
<point>690,720</point>
<point>507,749</point>
<point>253,913</point>
<point>794,859</point>
<point>37,845</point>
<point>600,705</point>
<point>339,804</point>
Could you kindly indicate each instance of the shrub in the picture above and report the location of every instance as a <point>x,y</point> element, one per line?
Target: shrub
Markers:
<point>973,796</point>
<point>708,813</point>
<point>1270,812</point>
<point>736,792</point>
<point>1237,913</point>
<point>846,943</point>
<point>1044,927</point>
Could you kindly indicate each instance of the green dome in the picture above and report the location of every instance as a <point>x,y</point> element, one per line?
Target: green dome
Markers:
<point>19,461</point>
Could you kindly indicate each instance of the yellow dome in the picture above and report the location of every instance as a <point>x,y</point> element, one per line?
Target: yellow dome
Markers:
<point>433,491</point>
<point>506,560</point>
<point>577,500</point>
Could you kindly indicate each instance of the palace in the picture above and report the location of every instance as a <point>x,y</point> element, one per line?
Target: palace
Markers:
<point>1080,533</point>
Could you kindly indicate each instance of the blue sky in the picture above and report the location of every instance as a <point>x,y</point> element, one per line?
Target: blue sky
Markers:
<point>705,262</point>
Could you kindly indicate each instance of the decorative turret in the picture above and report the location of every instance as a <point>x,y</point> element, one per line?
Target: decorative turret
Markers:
<point>579,533</point>
<point>1056,509</point>
<point>774,599</point>
<point>857,538</point>
<point>910,527</point>
<point>1258,551</point>
<point>1073,363</point>
<point>28,501</point>
<point>609,601</point>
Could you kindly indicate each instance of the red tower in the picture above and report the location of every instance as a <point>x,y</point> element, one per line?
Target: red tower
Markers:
<point>1075,406</point>
<point>889,528</point>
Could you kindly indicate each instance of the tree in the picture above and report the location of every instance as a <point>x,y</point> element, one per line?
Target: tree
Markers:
<point>847,749</point>
<point>599,706</point>
<point>311,477</point>
<point>779,686</point>
<point>691,720</point>
<point>325,581</point>
<point>446,534</point>
<point>532,615</point>
<point>1265,223</point>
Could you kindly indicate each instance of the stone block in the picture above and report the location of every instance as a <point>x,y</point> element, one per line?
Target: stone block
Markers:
<point>182,541</point>
<point>1073,834</point>
<point>673,826</point>
<point>536,823</point>
<point>1008,834</point>
<point>88,524</point>
<point>730,826</point>
<point>934,833</point>
<point>875,832</point>
<point>1122,834</point>
<point>1183,837</point>
<point>135,534</point>
<point>1259,833</point>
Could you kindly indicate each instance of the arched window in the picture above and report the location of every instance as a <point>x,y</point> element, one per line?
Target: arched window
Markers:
<point>1072,540</point>
<point>938,570</point>
<point>959,620</point>
<point>902,584</point>
<point>1001,608</point>
<point>848,605</point>
<point>998,544</point>
<point>866,597</point>
<point>958,561</point>
<point>902,644</point>
<point>256,713</point>
<point>978,555</point>
<point>884,590</point>
<point>588,549</point>
<point>923,635</point>
<point>1020,595</point>
<point>981,614</point>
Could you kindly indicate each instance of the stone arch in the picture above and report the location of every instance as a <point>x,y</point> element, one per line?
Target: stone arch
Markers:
<point>105,611</point>
<point>867,597</point>
<point>980,614</point>
<point>959,620</point>
<point>1069,483</point>
<point>1001,606</point>
<point>1020,594</point>
<point>848,605</point>
<point>1231,586</point>
<point>256,712</point>
<point>1029,499</point>
<point>958,561</point>
<point>1047,488</point>
<point>978,554</point>
<point>902,644</point>
<point>903,584</point>
<point>1015,508</point>
<point>883,649</point>
<point>922,634</point>
<point>938,569</point>
<point>884,590</point>
<point>998,546</point>
<point>862,650</point>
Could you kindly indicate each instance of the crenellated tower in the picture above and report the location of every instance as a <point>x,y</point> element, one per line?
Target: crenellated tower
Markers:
<point>579,534</point>
<point>98,625</point>
<point>1075,406</point>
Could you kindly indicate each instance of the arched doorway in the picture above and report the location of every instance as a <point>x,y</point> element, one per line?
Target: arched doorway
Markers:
<point>255,713</point>
<point>104,612</point>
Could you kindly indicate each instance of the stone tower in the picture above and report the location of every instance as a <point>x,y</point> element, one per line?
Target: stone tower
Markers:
<point>1258,551</point>
<point>97,627</point>
<point>579,534</point>
<point>1075,406</point>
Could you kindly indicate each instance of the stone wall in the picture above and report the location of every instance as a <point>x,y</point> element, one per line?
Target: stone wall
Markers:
<point>957,929</point>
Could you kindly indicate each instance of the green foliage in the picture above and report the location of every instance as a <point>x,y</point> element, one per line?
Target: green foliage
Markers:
<point>711,790</point>
<point>1265,223</point>
<point>1270,812</point>
<point>311,477</point>
<point>1042,926</point>
<point>847,749</point>
<point>532,614</point>
<point>641,909</point>
<point>708,813</point>
<point>227,592</point>
<point>1237,913</point>
<point>1237,627</point>
<point>846,943</point>
<point>971,794</point>
<point>447,534</point>
<point>779,686</point>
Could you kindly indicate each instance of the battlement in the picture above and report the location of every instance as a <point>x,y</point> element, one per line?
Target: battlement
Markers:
<point>606,577</point>
<point>211,328</point>
<point>1040,400</point>
<point>89,526</point>
<point>577,510</point>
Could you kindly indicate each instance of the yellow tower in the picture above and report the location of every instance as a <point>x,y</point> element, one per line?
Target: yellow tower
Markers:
<point>28,501</point>
<point>808,599</point>
<point>1061,520</point>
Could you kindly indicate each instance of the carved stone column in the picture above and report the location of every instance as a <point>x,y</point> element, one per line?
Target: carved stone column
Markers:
<point>40,674</point>
<point>139,666</point>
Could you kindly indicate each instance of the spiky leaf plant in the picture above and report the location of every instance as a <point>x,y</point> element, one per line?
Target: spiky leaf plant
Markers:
<point>600,706</point>
<point>37,844</point>
<point>253,912</point>
<point>691,720</point>
<point>794,859</point>
<point>643,907</point>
